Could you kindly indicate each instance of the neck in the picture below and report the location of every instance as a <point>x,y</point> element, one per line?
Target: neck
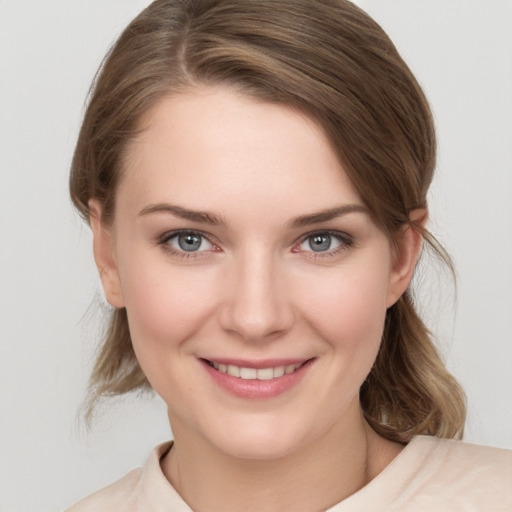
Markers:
<point>319,474</point>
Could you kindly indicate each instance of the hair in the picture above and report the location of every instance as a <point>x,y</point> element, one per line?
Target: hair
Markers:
<point>331,61</point>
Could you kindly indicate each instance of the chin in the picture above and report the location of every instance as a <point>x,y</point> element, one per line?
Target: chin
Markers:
<point>259,440</point>
<point>262,449</point>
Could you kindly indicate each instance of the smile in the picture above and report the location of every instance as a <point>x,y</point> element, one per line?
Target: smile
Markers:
<point>255,373</point>
<point>259,380</point>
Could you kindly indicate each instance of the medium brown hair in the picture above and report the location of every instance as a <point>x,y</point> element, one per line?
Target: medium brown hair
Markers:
<point>330,60</point>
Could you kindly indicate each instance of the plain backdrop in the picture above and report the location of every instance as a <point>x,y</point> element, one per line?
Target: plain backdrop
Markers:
<point>461,52</point>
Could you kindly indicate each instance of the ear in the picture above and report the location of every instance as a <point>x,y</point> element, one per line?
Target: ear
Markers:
<point>104,255</point>
<point>405,256</point>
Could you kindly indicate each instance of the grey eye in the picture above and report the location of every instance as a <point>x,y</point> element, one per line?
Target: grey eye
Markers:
<point>190,242</point>
<point>320,242</point>
<point>323,242</point>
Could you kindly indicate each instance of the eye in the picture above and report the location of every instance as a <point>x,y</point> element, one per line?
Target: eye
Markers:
<point>325,242</point>
<point>319,242</point>
<point>187,241</point>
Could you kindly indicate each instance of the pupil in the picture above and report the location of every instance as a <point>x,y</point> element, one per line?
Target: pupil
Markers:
<point>320,242</point>
<point>189,242</point>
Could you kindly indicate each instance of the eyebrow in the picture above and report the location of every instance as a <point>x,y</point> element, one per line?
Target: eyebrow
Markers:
<point>184,213</point>
<point>205,217</point>
<point>326,215</point>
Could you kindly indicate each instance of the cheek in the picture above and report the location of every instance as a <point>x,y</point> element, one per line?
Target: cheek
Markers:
<point>165,305</point>
<point>350,309</point>
<point>348,314</point>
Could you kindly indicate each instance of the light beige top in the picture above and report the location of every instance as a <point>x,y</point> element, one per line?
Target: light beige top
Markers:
<point>428,475</point>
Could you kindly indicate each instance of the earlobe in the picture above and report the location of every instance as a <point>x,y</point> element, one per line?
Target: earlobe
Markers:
<point>104,255</point>
<point>406,255</point>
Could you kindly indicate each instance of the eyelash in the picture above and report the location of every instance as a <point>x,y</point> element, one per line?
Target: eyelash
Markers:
<point>164,240</point>
<point>345,242</point>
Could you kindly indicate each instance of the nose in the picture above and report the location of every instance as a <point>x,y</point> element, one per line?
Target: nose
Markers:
<point>256,306</point>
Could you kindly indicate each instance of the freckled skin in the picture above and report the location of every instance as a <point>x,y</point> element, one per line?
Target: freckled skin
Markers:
<point>255,289</point>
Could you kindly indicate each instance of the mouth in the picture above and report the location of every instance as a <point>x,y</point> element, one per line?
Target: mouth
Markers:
<point>251,373</point>
<point>257,380</point>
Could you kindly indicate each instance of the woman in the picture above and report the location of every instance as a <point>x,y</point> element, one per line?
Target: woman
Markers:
<point>255,177</point>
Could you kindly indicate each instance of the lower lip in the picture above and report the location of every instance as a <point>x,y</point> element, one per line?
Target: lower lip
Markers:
<point>255,389</point>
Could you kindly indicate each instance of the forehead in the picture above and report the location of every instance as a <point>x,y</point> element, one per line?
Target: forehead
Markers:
<point>218,145</point>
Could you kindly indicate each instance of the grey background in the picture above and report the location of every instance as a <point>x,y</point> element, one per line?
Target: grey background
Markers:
<point>461,51</point>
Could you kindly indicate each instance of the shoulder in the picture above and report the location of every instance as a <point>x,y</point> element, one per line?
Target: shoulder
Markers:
<point>469,476</point>
<point>111,497</point>
<point>466,457</point>
<point>431,475</point>
<point>140,490</point>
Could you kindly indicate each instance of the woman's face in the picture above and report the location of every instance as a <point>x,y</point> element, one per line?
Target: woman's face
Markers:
<point>255,282</point>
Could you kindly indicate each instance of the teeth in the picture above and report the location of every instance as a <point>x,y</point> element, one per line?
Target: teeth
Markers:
<point>255,374</point>
<point>289,369</point>
<point>248,373</point>
<point>278,371</point>
<point>233,370</point>
<point>265,374</point>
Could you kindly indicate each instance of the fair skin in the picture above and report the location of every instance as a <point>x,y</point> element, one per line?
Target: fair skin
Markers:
<point>239,240</point>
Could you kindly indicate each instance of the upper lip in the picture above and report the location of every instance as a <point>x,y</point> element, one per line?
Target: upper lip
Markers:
<point>263,363</point>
